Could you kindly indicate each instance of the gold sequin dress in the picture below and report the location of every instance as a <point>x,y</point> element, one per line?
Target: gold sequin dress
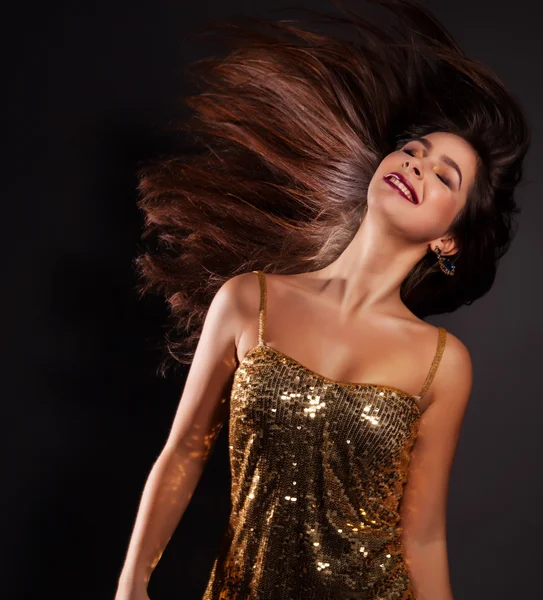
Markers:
<point>318,469</point>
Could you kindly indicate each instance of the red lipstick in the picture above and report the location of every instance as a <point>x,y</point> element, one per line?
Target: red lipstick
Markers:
<point>389,178</point>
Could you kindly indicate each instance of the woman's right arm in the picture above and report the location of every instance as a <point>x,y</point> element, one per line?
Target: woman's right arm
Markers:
<point>197,423</point>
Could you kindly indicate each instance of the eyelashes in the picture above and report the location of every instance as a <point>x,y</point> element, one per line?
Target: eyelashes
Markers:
<point>445,180</point>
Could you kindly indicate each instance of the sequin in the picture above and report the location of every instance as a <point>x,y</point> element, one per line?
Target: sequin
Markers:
<point>318,470</point>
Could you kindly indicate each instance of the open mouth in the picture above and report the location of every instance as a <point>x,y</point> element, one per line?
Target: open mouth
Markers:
<point>401,185</point>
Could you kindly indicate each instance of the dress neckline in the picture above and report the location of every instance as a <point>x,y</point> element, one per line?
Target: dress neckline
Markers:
<point>413,400</point>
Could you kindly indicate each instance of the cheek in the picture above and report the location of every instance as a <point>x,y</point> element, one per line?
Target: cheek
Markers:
<point>452,203</point>
<point>441,208</point>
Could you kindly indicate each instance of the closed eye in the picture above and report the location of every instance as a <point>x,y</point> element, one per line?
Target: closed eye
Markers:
<point>445,180</point>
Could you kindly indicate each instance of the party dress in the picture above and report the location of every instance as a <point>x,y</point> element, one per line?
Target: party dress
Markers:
<point>318,470</point>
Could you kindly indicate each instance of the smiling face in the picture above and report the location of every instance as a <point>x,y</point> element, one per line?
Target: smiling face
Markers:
<point>440,168</point>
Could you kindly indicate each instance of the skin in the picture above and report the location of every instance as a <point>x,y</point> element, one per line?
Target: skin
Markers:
<point>346,322</point>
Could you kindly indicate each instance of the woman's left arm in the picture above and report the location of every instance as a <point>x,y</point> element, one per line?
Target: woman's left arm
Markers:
<point>424,502</point>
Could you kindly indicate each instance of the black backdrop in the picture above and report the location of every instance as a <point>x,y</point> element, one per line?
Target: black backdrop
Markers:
<point>89,87</point>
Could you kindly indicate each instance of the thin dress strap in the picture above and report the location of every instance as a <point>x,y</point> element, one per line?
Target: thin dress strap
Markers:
<point>262,310</point>
<point>442,335</point>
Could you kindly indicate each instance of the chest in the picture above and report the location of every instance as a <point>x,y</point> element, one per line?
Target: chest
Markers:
<point>276,399</point>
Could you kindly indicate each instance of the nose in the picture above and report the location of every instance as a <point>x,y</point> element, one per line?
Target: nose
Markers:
<point>415,168</point>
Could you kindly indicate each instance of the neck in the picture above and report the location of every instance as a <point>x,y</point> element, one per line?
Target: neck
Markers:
<point>368,274</point>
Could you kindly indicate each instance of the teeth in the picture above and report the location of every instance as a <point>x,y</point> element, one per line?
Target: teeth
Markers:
<point>402,187</point>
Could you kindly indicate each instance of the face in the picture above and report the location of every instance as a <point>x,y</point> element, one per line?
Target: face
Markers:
<point>439,170</point>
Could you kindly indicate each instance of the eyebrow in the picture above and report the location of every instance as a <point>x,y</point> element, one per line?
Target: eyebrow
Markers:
<point>446,159</point>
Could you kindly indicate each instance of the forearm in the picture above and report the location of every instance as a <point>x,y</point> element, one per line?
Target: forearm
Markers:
<point>429,569</point>
<point>166,494</point>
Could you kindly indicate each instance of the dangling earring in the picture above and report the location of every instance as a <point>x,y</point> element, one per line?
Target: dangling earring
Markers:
<point>445,264</point>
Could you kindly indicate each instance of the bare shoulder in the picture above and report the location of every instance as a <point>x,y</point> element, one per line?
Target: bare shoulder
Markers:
<point>239,296</point>
<point>244,289</point>
<point>454,376</point>
<point>238,301</point>
<point>456,356</point>
<point>241,292</point>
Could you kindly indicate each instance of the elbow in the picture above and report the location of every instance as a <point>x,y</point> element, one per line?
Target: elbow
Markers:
<point>424,535</point>
<point>423,526</point>
<point>185,455</point>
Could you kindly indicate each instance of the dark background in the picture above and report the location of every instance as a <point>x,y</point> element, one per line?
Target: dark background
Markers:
<point>90,88</point>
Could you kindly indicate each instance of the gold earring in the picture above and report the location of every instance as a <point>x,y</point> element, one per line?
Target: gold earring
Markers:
<point>445,264</point>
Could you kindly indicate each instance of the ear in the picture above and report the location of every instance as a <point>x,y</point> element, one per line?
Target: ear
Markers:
<point>447,245</point>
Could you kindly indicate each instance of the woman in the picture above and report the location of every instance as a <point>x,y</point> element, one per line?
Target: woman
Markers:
<point>339,192</point>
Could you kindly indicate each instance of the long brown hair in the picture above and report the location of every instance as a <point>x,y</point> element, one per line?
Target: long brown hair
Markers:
<point>284,136</point>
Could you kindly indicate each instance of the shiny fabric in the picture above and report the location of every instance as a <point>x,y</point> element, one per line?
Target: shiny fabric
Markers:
<point>318,470</point>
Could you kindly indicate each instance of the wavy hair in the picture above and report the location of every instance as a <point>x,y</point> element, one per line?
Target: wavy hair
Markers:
<point>284,135</point>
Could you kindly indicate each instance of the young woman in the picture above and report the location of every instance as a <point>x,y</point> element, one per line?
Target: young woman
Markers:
<point>339,191</point>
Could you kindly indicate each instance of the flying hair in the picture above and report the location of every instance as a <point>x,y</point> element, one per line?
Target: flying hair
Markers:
<point>285,132</point>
